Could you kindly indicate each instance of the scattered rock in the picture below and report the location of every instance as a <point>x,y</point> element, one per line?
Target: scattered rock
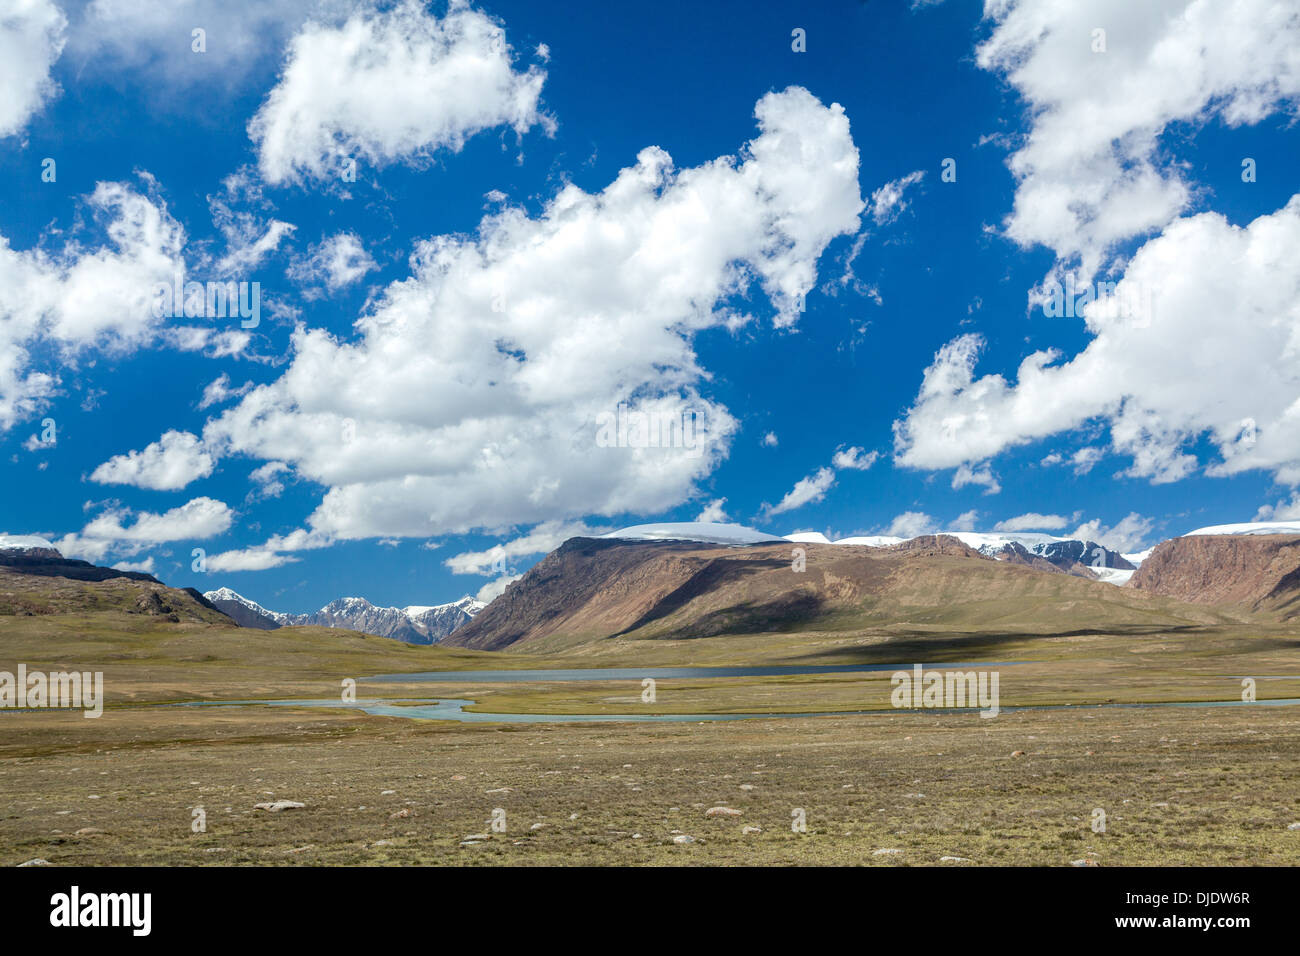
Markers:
<point>535,826</point>
<point>721,812</point>
<point>1294,826</point>
<point>153,605</point>
<point>387,793</point>
<point>954,859</point>
<point>683,838</point>
<point>400,814</point>
<point>746,786</point>
<point>478,837</point>
<point>279,805</point>
<point>748,830</point>
<point>886,852</point>
<point>1083,863</point>
<point>36,862</point>
<point>89,831</point>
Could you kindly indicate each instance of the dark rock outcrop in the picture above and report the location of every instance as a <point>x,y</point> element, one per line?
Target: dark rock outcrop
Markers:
<point>51,564</point>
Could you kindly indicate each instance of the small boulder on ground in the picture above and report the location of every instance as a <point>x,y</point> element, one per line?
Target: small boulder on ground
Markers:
<point>721,812</point>
<point>278,805</point>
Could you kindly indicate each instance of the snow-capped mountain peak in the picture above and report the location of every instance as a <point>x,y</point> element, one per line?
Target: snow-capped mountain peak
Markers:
<point>414,624</point>
<point>226,595</point>
<point>24,542</point>
<point>1019,546</point>
<point>1065,553</point>
<point>1250,527</point>
<point>808,537</point>
<point>708,532</point>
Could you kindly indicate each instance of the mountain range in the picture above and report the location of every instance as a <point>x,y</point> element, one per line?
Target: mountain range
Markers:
<point>592,589</point>
<point>415,624</point>
<point>695,579</point>
<point>661,582</point>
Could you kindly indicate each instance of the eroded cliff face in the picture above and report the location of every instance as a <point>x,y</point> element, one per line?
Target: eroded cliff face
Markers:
<point>1261,572</point>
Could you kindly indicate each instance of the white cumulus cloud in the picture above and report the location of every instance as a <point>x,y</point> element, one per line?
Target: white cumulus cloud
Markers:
<point>806,491</point>
<point>334,263</point>
<point>889,201</point>
<point>1032,521</point>
<point>547,536</point>
<point>473,392</point>
<point>172,462</point>
<point>910,524</point>
<point>1090,172</point>
<point>1214,357</point>
<point>80,297</point>
<point>32,35</point>
<point>713,512</point>
<point>1131,533</point>
<point>391,85</point>
<point>120,531</point>
<point>854,458</point>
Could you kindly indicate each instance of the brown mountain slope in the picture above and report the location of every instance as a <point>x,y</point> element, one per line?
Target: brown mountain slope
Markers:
<point>1256,571</point>
<point>588,589</point>
<point>25,592</point>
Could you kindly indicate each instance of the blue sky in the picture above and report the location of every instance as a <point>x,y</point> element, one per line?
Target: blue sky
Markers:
<point>388,459</point>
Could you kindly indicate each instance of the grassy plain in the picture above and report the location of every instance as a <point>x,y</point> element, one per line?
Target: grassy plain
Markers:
<point>1179,786</point>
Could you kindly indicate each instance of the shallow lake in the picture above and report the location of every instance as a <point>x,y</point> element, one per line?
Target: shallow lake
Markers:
<point>453,709</point>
